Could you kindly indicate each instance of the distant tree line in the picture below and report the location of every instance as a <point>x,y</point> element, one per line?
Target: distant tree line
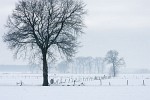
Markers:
<point>82,65</point>
<point>89,65</point>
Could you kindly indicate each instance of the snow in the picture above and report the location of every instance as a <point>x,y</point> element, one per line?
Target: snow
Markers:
<point>74,93</point>
<point>91,90</point>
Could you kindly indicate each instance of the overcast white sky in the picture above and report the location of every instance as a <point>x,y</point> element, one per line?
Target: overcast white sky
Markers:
<point>123,25</point>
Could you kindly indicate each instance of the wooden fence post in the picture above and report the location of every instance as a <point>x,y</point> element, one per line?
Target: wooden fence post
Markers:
<point>143,83</point>
<point>109,84</point>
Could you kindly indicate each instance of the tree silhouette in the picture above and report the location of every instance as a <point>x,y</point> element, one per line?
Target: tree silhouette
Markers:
<point>41,28</point>
<point>112,58</point>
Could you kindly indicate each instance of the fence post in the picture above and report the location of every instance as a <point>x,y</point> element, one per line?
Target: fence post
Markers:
<point>100,82</point>
<point>74,82</point>
<point>127,82</point>
<point>109,84</point>
<point>143,83</point>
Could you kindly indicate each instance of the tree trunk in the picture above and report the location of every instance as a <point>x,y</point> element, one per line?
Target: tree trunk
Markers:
<point>114,70</point>
<point>45,70</point>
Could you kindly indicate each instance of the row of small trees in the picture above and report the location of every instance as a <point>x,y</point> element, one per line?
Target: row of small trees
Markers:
<point>90,65</point>
<point>82,65</point>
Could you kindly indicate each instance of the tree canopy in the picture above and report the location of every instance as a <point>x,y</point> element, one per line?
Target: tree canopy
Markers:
<point>40,28</point>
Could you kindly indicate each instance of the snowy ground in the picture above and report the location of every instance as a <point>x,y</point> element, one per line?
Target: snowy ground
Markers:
<point>109,89</point>
<point>75,93</point>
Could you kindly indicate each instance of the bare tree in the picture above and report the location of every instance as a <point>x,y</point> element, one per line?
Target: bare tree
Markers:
<point>112,58</point>
<point>89,64</point>
<point>80,63</point>
<point>99,64</point>
<point>42,28</point>
<point>63,67</point>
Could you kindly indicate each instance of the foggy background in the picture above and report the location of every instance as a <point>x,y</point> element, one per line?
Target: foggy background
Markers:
<point>122,25</point>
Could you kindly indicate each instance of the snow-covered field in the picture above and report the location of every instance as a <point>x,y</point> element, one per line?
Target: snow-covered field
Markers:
<point>75,93</point>
<point>85,87</point>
